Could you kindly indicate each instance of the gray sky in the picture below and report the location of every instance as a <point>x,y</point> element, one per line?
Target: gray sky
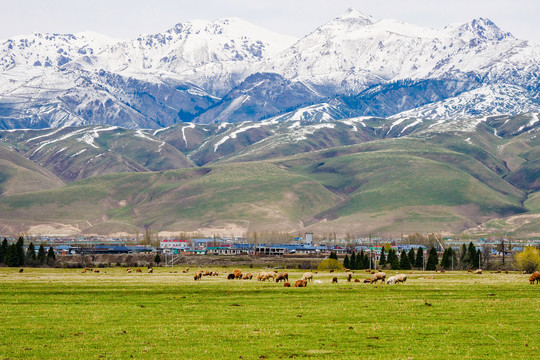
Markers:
<point>128,18</point>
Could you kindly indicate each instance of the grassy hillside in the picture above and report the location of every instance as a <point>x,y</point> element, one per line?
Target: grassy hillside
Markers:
<point>19,175</point>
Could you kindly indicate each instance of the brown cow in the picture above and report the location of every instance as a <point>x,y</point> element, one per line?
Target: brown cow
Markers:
<point>349,277</point>
<point>356,280</point>
<point>535,276</point>
<point>334,280</point>
<point>207,273</point>
<point>300,283</point>
<point>247,276</point>
<point>237,274</point>
<point>139,270</point>
<point>282,276</point>
<point>286,284</point>
<point>198,275</point>
<point>96,270</point>
<point>331,270</point>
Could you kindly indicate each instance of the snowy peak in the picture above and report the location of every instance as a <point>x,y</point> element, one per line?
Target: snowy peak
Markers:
<point>353,15</point>
<point>480,29</point>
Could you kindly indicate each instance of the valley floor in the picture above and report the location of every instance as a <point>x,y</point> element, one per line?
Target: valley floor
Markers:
<point>63,313</point>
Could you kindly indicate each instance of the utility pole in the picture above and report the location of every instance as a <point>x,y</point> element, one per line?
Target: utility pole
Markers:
<point>502,247</point>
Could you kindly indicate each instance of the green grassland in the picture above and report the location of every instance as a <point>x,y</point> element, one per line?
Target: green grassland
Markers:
<point>63,313</point>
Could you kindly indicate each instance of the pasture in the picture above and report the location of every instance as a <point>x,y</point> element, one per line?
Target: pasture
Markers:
<point>63,313</point>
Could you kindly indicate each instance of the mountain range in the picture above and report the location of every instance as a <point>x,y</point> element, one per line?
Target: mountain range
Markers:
<point>228,70</point>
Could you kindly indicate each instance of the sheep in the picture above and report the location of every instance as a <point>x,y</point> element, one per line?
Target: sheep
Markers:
<point>300,283</point>
<point>307,276</point>
<point>478,271</point>
<point>349,276</point>
<point>535,276</point>
<point>265,275</point>
<point>401,278</point>
<point>378,276</point>
<point>391,280</point>
<point>247,276</point>
<point>334,280</point>
<point>282,276</point>
<point>150,270</point>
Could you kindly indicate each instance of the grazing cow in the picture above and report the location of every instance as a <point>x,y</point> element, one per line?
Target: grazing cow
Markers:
<point>215,273</point>
<point>96,270</point>
<point>282,276</point>
<point>247,276</point>
<point>367,281</point>
<point>185,271</point>
<point>230,277</point>
<point>207,273</point>
<point>237,274</point>
<point>349,276</point>
<point>150,270</point>
<point>128,270</point>
<point>334,280</point>
<point>300,283</point>
<point>478,271</point>
<point>21,270</point>
<point>373,271</point>
<point>535,276</point>
<point>378,276</point>
<point>331,270</point>
<point>307,276</point>
<point>356,280</point>
<point>197,275</point>
<point>287,284</point>
<point>469,270</point>
<point>139,270</point>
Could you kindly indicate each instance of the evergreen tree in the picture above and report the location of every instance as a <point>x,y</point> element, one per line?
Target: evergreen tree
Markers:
<point>11,255</point>
<point>446,261</point>
<point>393,260</point>
<point>432,260</point>
<point>346,263</point>
<point>463,257</point>
<point>366,260</point>
<point>51,257</point>
<point>333,255</point>
<point>382,260</point>
<point>20,251</point>
<point>361,260</point>
<point>478,258</point>
<point>471,259</point>
<point>412,257</point>
<point>419,262</point>
<point>3,251</point>
<point>404,262</point>
<point>31,253</point>
<point>41,255</point>
<point>352,261</point>
<point>157,259</point>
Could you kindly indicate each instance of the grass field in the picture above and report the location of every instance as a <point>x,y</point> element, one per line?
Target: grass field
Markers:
<point>63,313</point>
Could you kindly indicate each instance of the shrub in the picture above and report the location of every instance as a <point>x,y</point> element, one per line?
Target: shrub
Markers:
<point>528,260</point>
<point>329,264</point>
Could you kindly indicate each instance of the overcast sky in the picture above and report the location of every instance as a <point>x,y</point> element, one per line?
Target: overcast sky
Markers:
<point>127,18</point>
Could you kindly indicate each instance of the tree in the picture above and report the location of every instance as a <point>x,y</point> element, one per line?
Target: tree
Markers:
<point>51,257</point>
<point>528,260</point>
<point>333,255</point>
<point>394,263</point>
<point>361,260</point>
<point>41,255</point>
<point>432,260</point>
<point>471,260</point>
<point>157,259</point>
<point>382,260</point>
<point>446,261</point>
<point>11,255</point>
<point>20,251</point>
<point>463,257</point>
<point>412,256</point>
<point>3,250</point>
<point>478,258</point>
<point>31,253</point>
<point>419,262</point>
<point>346,262</point>
<point>404,262</point>
<point>352,262</point>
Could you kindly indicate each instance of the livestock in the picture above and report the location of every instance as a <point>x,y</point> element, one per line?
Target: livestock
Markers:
<point>150,270</point>
<point>443,271</point>
<point>197,275</point>
<point>378,276</point>
<point>478,271</point>
<point>368,270</point>
<point>139,270</point>
<point>265,275</point>
<point>185,271</point>
<point>128,270</point>
<point>331,270</point>
<point>237,274</point>
<point>287,284</point>
<point>96,270</point>
<point>535,276</point>
<point>307,276</point>
<point>21,270</point>
<point>356,280</point>
<point>230,277</point>
<point>247,276</point>
<point>400,278</point>
<point>300,283</point>
<point>83,271</point>
<point>349,276</point>
<point>391,280</point>
<point>469,270</point>
<point>334,280</point>
<point>282,276</point>
<point>207,273</point>
<point>215,273</point>
<point>367,281</point>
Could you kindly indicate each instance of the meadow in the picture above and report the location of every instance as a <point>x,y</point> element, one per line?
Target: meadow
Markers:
<point>63,313</point>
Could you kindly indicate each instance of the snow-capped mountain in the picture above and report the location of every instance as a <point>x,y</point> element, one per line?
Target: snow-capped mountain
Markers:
<point>228,70</point>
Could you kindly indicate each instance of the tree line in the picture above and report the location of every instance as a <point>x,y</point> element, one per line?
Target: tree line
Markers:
<point>467,258</point>
<point>13,255</point>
